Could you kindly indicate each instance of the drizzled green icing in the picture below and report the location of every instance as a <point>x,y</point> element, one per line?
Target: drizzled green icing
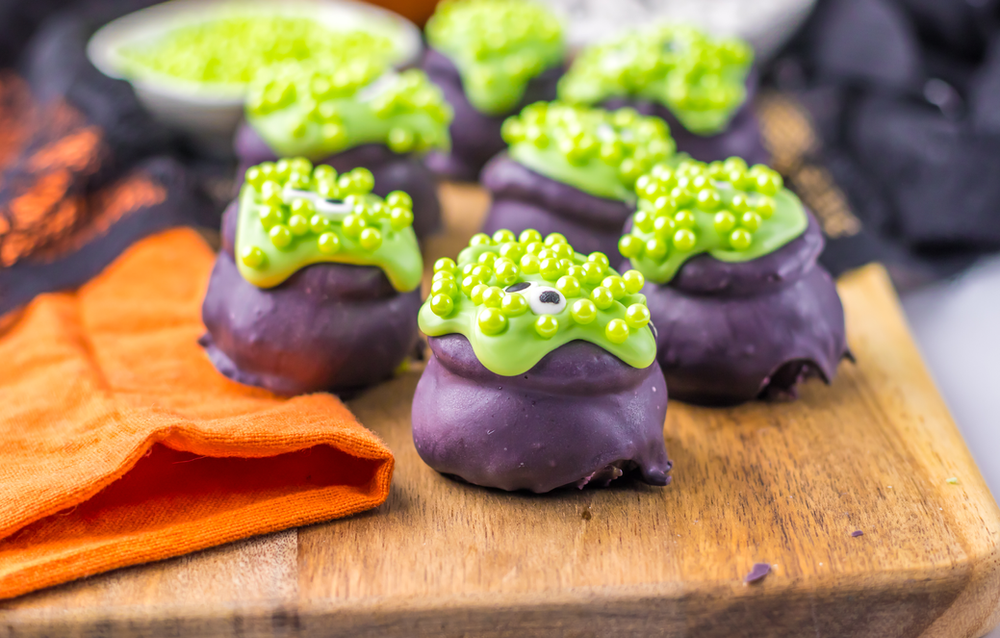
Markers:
<point>599,152</point>
<point>498,46</point>
<point>315,111</point>
<point>232,48</point>
<point>600,306</point>
<point>725,209</point>
<point>700,79</point>
<point>291,216</point>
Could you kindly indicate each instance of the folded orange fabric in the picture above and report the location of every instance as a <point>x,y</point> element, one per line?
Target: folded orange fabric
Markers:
<point>121,444</point>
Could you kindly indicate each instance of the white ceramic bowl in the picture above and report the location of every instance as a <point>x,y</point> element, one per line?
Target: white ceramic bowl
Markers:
<point>209,114</point>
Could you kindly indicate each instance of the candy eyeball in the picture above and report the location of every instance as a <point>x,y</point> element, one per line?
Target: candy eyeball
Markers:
<point>543,300</point>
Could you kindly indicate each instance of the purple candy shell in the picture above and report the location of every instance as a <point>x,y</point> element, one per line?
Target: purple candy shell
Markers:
<point>475,137</point>
<point>391,171</point>
<point>580,416</point>
<point>525,199</point>
<point>335,327</point>
<point>729,348</point>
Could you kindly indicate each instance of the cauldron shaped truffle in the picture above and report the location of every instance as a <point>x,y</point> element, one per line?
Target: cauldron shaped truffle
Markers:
<point>701,87</point>
<point>741,307</point>
<point>317,284</point>
<point>572,170</point>
<point>543,369</point>
<point>358,115</point>
<point>490,58</point>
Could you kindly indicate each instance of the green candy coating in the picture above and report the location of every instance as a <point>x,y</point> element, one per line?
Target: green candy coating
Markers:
<point>578,133</point>
<point>356,228</point>
<point>699,78</point>
<point>232,49</point>
<point>366,102</point>
<point>752,215</point>
<point>601,307</point>
<point>498,46</point>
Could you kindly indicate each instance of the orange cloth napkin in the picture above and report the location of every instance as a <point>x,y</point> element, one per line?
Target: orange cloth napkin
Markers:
<point>121,444</point>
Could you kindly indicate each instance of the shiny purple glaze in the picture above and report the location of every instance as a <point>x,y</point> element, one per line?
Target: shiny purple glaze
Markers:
<point>732,332</point>
<point>579,417</point>
<point>525,199</point>
<point>475,137</point>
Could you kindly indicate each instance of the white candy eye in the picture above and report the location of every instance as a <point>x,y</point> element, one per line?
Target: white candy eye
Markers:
<point>543,300</point>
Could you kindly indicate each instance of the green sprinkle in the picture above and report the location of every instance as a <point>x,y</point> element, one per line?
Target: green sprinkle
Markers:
<point>498,46</point>
<point>232,49</point>
<point>952,481</point>
<point>744,217</point>
<point>496,302</point>
<point>575,157</point>
<point>700,79</point>
<point>358,229</point>
<point>368,103</point>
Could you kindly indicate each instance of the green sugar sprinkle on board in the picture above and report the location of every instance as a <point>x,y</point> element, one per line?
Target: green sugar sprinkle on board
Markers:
<point>599,152</point>
<point>233,49</point>
<point>725,209</point>
<point>498,46</point>
<point>292,216</point>
<point>518,298</point>
<point>700,79</point>
<point>315,110</point>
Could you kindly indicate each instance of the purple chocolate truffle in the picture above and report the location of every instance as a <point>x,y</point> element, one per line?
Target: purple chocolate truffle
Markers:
<point>732,332</point>
<point>392,172</point>
<point>329,327</point>
<point>524,199</point>
<point>579,417</point>
<point>475,136</point>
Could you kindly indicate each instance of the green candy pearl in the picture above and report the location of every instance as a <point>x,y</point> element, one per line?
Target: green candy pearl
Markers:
<point>637,316</point>
<point>634,281</point>
<point>492,321</point>
<point>444,265</point>
<point>492,297</point>
<point>514,305</point>
<point>281,236</point>
<point>568,286</point>
<point>442,305</point>
<point>616,331</point>
<point>253,257</point>
<point>583,311</point>
<point>740,239</point>
<point>546,326</point>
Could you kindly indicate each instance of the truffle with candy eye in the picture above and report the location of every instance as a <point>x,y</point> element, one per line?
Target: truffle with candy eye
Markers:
<point>742,308</point>
<point>529,389</point>
<point>329,302</point>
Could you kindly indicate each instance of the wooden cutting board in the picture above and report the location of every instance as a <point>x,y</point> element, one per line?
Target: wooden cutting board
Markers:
<point>784,484</point>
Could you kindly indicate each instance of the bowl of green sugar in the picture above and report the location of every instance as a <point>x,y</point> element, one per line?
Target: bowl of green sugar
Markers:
<point>191,61</point>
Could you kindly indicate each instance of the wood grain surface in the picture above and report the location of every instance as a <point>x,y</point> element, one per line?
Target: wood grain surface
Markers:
<point>784,484</point>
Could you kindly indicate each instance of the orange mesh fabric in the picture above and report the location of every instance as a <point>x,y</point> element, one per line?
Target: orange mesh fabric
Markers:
<point>122,444</point>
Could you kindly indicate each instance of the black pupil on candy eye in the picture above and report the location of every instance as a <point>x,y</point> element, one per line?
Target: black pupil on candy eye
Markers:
<point>549,296</point>
<point>518,287</point>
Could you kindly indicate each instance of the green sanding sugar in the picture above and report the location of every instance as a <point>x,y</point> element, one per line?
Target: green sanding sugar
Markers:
<point>291,216</point>
<point>725,209</point>
<point>599,152</point>
<point>498,46</point>
<point>232,49</point>
<point>700,79</point>
<point>518,298</point>
<point>317,110</point>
